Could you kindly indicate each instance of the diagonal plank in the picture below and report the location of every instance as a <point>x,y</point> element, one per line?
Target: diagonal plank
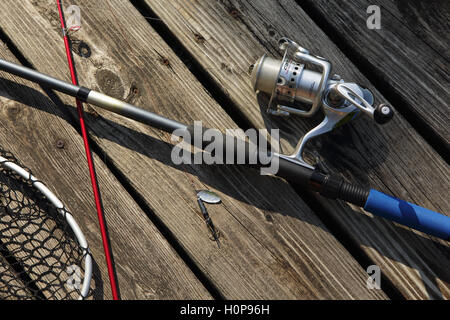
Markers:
<point>407,53</point>
<point>146,266</point>
<point>428,20</point>
<point>393,158</point>
<point>272,245</point>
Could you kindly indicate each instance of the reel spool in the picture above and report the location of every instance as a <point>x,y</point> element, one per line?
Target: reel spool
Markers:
<point>296,89</point>
<point>290,84</point>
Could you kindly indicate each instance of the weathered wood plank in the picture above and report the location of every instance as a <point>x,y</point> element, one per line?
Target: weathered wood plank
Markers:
<point>392,158</point>
<point>146,266</point>
<point>428,20</point>
<point>414,64</point>
<point>272,245</point>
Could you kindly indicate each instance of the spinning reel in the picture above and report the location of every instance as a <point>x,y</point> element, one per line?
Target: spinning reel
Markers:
<point>296,89</point>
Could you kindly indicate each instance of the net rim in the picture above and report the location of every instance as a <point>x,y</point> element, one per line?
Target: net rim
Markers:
<point>53,199</point>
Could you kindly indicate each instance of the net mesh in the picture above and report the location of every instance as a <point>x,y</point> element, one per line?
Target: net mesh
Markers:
<point>40,257</point>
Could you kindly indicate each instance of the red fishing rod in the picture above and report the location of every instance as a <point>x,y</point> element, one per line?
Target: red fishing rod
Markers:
<point>90,161</point>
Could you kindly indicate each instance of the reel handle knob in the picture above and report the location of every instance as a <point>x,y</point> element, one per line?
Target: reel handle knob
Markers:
<point>383,113</point>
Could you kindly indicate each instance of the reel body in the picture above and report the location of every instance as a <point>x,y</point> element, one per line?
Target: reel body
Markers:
<point>296,88</point>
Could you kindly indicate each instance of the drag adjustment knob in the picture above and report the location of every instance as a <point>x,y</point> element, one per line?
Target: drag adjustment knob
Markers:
<point>383,113</point>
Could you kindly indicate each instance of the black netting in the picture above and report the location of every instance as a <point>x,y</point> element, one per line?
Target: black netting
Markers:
<point>40,257</point>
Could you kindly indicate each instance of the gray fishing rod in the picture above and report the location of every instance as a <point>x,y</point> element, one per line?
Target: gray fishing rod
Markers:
<point>290,168</point>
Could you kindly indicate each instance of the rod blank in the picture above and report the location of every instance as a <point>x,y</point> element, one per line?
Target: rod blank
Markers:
<point>39,78</point>
<point>93,97</point>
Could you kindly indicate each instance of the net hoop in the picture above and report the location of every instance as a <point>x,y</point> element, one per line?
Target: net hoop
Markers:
<point>84,291</point>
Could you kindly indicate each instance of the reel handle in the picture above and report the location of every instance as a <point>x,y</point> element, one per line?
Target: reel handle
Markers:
<point>381,114</point>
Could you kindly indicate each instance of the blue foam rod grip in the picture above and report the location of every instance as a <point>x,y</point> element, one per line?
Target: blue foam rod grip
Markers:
<point>408,214</point>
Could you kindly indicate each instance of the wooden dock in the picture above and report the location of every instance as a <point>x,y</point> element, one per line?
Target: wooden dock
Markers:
<point>189,60</point>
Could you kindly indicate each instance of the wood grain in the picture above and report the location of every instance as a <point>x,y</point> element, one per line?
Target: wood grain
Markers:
<point>272,244</point>
<point>31,127</point>
<point>393,158</point>
<point>428,20</point>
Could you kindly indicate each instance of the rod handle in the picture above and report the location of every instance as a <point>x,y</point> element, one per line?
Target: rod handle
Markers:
<point>408,214</point>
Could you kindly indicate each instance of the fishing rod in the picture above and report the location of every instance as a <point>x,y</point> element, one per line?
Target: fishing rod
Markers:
<point>291,168</point>
<point>90,161</point>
